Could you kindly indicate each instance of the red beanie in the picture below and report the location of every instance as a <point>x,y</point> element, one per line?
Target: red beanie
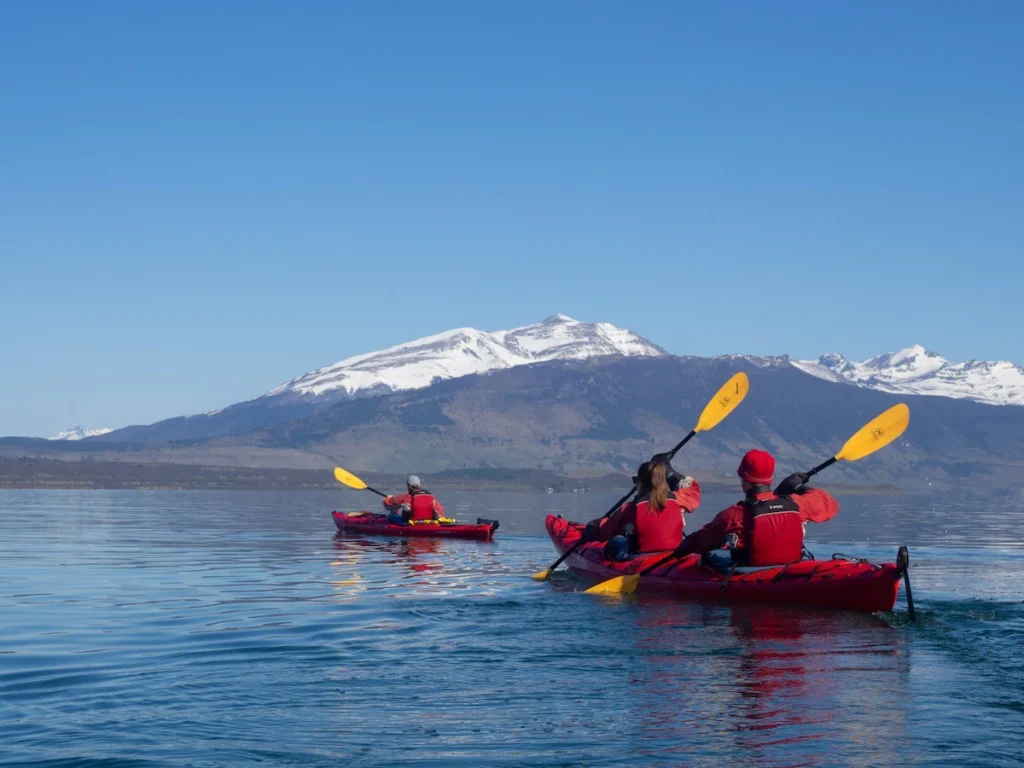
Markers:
<point>757,467</point>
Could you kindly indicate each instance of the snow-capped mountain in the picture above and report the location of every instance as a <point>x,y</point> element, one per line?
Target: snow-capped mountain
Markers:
<point>410,366</point>
<point>917,371</point>
<point>77,433</point>
<point>464,351</point>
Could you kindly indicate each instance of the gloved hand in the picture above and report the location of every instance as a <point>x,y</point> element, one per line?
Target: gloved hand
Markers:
<point>590,530</point>
<point>794,484</point>
<point>678,552</point>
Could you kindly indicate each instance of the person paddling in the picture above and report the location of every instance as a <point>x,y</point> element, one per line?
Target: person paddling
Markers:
<point>655,517</point>
<point>415,505</point>
<point>766,528</point>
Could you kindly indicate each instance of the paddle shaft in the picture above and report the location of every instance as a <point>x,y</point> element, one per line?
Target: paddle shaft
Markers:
<point>684,441</point>
<point>368,488</point>
<point>823,465</point>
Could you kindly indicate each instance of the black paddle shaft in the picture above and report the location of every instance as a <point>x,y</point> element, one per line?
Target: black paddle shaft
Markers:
<point>376,491</point>
<point>684,441</point>
<point>823,465</point>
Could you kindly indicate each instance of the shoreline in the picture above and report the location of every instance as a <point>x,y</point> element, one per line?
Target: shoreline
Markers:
<point>25,473</point>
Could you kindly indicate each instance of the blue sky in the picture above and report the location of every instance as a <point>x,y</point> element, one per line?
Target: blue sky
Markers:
<point>199,201</point>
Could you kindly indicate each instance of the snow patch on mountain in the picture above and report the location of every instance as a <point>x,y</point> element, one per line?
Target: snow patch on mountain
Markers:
<point>465,351</point>
<point>918,371</point>
<point>77,433</point>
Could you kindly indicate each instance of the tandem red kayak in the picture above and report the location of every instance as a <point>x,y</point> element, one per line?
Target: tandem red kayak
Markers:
<point>378,525</point>
<point>837,583</point>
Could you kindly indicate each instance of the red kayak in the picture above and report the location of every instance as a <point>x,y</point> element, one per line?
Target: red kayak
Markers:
<point>851,585</point>
<point>378,525</point>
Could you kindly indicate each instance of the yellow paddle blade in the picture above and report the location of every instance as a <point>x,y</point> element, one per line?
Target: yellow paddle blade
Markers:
<point>620,585</point>
<point>724,402</point>
<point>542,575</point>
<point>878,433</point>
<point>347,478</point>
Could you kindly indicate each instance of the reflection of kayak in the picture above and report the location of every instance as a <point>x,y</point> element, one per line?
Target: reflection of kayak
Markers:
<point>854,586</point>
<point>378,525</point>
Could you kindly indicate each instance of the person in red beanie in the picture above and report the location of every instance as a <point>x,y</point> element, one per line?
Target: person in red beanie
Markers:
<point>766,528</point>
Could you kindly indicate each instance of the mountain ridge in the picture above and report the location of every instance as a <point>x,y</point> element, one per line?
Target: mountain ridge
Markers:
<point>601,416</point>
<point>413,365</point>
<point>915,370</point>
<point>79,433</point>
<point>461,352</point>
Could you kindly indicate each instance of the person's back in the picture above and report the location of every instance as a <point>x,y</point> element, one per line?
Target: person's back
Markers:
<point>765,528</point>
<point>656,519</point>
<point>423,504</point>
<point>417,504</point>
<point>775,530</point>
<point>657,529</point>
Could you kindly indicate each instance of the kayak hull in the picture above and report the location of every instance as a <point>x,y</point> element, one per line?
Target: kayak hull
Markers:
<point>378,525</point>
<point>819,583</point>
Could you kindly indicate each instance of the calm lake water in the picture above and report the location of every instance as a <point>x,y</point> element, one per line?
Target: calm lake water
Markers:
<point>193,628</point>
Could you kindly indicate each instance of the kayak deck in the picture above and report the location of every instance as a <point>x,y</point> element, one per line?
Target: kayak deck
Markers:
<point>377,525</point>
<point>855,586</point>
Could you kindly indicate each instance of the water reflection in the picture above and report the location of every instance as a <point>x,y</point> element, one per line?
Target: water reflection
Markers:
<point>172,627</point>
<point>762,680</point>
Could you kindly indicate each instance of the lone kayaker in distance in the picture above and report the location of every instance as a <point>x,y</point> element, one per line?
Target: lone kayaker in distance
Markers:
<point>765,528</point>
<point>416,504</point>
<point>655,516</point>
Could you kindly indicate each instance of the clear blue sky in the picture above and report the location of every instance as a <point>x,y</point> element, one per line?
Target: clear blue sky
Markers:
<point>200,200</point>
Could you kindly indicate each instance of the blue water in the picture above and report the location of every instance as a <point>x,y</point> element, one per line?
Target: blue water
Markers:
<point>181,628</point>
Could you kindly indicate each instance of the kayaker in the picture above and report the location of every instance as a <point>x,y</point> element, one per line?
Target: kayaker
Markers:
<point>416,504</point>
<point>766,528</point>
<point>653,522</point>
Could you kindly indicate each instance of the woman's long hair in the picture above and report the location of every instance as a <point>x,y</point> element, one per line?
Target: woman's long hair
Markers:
<point>659,488</point>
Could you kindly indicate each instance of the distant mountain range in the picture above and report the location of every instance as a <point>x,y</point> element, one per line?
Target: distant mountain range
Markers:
<point>465,351</point>
<point>78,433</point>
<point>603,415</point>
<point>916,371</point>
<point>414,365</point>
<point>569,397</point>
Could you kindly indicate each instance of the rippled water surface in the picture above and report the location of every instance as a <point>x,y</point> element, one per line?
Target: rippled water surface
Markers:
<point>179,628</point>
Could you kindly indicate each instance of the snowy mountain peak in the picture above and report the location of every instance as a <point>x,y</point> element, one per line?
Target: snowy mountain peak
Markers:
<point>911,362</point>
<point>465,351</point>
<point>77,433</point>
<point>919,371</point>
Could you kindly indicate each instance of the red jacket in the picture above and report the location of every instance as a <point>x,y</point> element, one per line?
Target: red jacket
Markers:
<point>656,531</point>
<point>424,506</point>
<point>687,498</point>
<point>814,506</point>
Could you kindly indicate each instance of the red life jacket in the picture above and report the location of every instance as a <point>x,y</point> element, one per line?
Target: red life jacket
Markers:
<point>422,505</point>
<point>776,532</point>
<point>658,530</point>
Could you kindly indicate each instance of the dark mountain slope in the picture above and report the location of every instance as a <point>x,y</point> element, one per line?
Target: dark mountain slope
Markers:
<point>604,415</point>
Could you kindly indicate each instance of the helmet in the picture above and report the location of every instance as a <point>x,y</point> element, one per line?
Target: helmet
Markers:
<point>413,481</point>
